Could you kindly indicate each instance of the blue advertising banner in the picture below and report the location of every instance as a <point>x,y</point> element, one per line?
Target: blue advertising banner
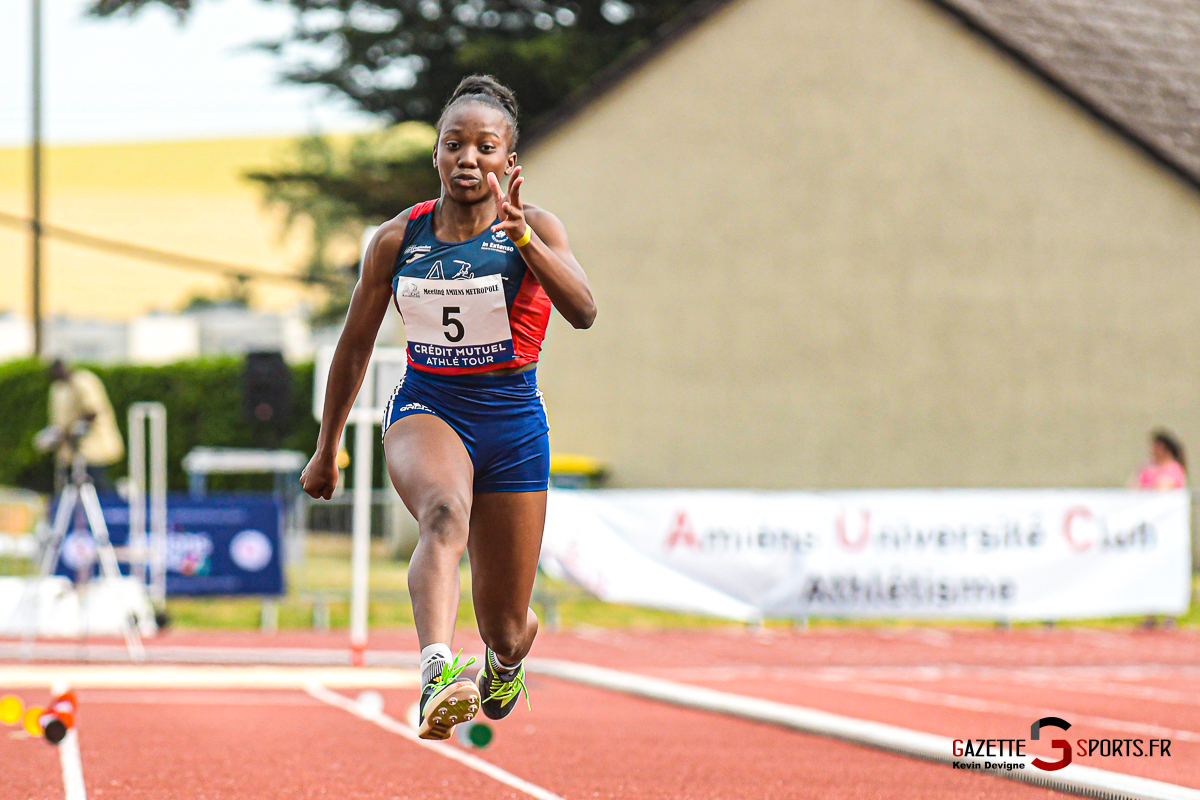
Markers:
<point>217,544</point>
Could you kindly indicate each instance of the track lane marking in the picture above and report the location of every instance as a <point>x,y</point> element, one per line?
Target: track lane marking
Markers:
<point>1122,676</point>
<point>1075,778</point>
<point>441,748</point>
<point>1059,680</point>
<point>201,697</point>
<point>1108,688</point>
<point>946,700</point>
<point>72,767</point>
<point>306,656</point>
<point>169,676</point>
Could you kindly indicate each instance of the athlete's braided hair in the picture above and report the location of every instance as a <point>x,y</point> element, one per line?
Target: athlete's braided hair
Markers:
<point>489,91</point>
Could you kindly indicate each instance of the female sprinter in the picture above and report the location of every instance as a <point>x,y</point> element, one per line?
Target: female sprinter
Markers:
<point>473,275</point>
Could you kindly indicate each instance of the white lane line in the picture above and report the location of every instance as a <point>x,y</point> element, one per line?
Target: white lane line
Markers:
<point>208,654</point>
<point>203,697</point>
<point>852,680</point>
<point>72,767</point>
<point>1058,680</point>
<point>1076,779</point>
<point>1107,689</point>
<point>169,676</point>
<point>958,701</point>
<point>1126,676</point>
<point>441,748</point>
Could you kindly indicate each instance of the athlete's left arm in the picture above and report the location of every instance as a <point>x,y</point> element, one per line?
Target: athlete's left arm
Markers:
<point>548,252</point>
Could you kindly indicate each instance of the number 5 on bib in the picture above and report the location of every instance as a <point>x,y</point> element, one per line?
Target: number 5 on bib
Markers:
<point>455,323</point>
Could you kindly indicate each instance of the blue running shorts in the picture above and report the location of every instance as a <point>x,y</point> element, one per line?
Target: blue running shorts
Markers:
<point>501,420</point>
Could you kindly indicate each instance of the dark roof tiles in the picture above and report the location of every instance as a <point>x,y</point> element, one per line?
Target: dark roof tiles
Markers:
<point>1135,63</point>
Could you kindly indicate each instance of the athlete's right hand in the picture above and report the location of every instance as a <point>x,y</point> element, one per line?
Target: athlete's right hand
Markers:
<point>320,477</point>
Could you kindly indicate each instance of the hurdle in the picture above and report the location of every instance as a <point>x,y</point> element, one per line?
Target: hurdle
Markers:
<point>151,415</point>
<point>384,371</point>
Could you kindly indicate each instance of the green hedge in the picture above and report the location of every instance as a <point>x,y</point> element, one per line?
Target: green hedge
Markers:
<point>203,400</point>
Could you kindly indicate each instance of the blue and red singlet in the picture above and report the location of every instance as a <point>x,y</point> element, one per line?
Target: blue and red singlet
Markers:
<point>472,308</point>
<point>468,307</point>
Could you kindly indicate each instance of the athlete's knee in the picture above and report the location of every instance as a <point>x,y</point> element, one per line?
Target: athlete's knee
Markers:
<point>505,638</point>
<point>508,635</point>
<point>444,520</point>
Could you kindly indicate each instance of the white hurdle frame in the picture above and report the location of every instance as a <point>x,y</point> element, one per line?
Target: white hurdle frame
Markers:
<point>155,414</point>
<point>385,369</point>
<point>360,552</point>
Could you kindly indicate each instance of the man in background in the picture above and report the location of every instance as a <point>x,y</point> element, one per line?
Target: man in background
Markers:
<point>78,395</point>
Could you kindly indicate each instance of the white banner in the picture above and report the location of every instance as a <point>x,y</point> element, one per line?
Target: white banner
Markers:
<point>983,554</point>
<point>54,607</point>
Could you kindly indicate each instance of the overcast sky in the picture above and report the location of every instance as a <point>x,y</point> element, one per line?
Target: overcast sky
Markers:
<point>120,80</point>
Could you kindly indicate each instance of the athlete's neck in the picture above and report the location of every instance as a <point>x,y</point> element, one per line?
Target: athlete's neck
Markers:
<point>456,222</point>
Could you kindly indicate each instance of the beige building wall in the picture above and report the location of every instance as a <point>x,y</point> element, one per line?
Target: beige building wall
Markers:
<point>851,244</point>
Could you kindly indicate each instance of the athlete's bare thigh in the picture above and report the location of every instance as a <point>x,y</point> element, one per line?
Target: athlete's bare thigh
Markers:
<point>428,464</point>
<point>432,471</point>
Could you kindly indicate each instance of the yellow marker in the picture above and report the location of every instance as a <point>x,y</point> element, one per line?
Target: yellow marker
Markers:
<point>32,725</point>
<point>11,709</point>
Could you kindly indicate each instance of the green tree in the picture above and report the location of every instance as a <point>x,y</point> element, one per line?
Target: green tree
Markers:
<point>400,60</point>
<point>341,186</point>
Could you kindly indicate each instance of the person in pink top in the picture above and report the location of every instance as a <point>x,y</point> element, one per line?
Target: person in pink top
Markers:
<point>1167,468</point>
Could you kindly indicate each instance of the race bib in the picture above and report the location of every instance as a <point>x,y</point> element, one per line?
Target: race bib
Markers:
<point>455,323</point>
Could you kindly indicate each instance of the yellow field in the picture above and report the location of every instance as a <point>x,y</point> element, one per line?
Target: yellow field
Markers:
<point>186,197</point>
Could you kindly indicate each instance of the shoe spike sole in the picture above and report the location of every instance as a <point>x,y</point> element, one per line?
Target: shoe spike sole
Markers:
<point>452,706</point>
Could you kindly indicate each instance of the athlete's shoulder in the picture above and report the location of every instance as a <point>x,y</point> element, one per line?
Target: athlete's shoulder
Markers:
<point>548,226</point>
<point>536,214</point>
<point>385,245</point>
<point>391,233</point>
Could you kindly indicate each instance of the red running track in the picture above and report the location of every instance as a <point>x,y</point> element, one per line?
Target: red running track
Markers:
<point>579,743</point>
<point>1079,648</point>
<point>582,742</point>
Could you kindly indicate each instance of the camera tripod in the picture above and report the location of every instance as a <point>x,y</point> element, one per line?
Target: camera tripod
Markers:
<point>78,490</point>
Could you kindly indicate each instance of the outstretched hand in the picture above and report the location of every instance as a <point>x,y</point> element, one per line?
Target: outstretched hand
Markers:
<point>508,206</point>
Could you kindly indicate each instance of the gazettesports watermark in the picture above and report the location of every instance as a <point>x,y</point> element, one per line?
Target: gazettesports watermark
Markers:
<point>1009,754</point>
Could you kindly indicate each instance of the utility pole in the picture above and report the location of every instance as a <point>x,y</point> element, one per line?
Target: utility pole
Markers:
<point>35,183</point>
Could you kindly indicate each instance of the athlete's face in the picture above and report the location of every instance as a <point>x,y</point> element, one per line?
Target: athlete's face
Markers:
<point>473,142</point>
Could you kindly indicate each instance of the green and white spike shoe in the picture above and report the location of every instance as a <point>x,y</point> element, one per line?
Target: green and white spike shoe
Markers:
<point>500,694</point>
<point>447,701</point>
